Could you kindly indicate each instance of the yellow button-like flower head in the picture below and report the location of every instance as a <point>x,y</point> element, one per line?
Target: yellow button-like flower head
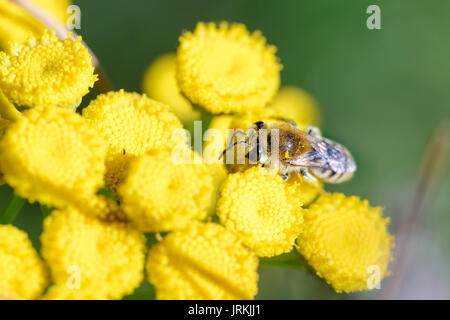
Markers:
<point>51,155</point>
<point>107,256</point>
<point>132,125</point>
<point>256,206</point>
<point>23,275</point>
<point>160,195</point>
<point>46,71</point>
<point>225,69</point>
<point>296,104</point>
<point>16,24</point>
<point>159,83</point>
<point>343,239</point>
<point>203,261</point>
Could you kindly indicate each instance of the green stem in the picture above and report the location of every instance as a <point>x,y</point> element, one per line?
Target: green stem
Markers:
<point>13,207</point>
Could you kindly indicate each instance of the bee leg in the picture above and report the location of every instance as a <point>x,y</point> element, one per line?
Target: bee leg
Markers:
<point>285,176</point>
<point>308,176</point>
<point>313,131</point>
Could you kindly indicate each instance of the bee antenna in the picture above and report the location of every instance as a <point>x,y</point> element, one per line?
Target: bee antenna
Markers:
<point>237,132</point>
<point>231,140</point>
<point>231,147</point>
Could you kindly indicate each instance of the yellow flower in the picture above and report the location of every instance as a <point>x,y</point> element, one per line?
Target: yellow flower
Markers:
<point>109,255</point>
<point>16,25</point>
<point>52,156</point>
<point>203,261</point>
<point>46,71</point>
<point>23,274</point>
<point>343,237</point>
<point>160,195</point>
<point>132,124</point>
<point>159,83</point>
<point>256,206</point>
<point>225,69</point>
<point>296,104</point>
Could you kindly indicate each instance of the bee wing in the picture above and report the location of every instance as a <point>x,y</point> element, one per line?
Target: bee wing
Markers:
<point>333,155</point>
<point>311,159</point>
<point>317,158</point>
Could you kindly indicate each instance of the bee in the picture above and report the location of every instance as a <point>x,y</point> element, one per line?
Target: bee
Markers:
<point>283,145</point>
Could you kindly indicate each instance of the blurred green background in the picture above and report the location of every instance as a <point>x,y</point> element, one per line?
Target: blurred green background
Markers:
<point>381,93</point>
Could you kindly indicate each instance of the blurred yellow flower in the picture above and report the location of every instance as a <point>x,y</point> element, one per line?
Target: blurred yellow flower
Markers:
<point>23,274</point>
<point>109,255</point>
<point>296,104</point>
<point>132,124</point>
<point>159,195</point>
<point>257,207</point>
<point>203,261</point>
<point>159,83</point>
<point>343,237</point>
<point>16,25</point>
<point>46,71</point>
<point>225,69</point>
<point>52,156</point>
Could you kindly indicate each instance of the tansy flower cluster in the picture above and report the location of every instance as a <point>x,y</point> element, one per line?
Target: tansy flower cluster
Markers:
<point>121,171</point>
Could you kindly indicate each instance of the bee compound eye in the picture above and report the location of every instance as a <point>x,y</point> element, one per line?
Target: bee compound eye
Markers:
<point>259,124</point>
